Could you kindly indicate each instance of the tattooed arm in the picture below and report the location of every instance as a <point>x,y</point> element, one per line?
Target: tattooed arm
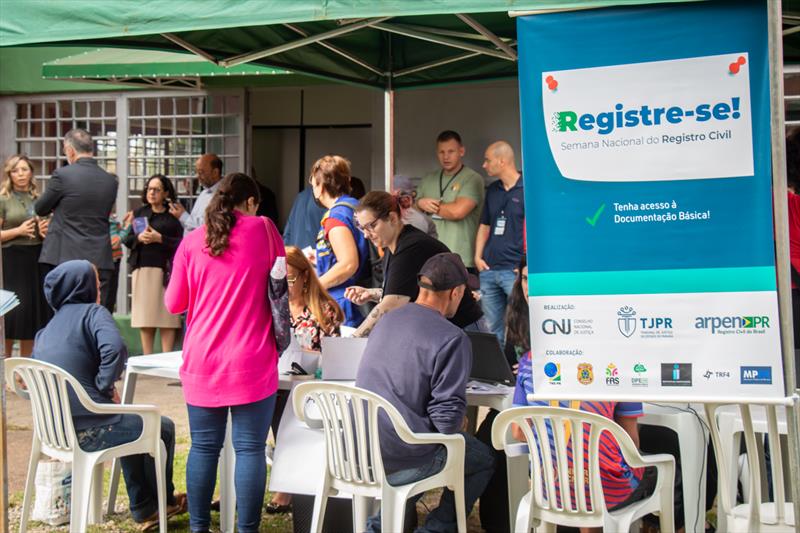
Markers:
<point>388,303</point>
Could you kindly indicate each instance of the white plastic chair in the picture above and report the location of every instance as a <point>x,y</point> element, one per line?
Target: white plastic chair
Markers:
<point>579,504</point>
<point>353,455</point>
<point>54,436</point>
<point>754,514</point>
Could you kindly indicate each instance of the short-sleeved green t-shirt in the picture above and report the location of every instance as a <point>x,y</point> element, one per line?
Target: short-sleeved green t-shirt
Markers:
<point>458,235</point>
<point>14,210</point>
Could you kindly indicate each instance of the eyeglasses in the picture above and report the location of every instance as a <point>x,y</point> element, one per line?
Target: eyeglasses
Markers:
<point>369,227</point>
<point>291,279</point>
<point>525,278</point>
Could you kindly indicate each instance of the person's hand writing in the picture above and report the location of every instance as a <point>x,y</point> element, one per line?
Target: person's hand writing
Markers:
<point>176,209</point>
<point>27,229</point>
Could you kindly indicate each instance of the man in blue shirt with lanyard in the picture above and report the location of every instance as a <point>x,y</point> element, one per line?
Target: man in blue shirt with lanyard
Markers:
<point>499,242</point>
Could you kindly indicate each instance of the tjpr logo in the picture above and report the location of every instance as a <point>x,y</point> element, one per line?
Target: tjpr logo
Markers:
<point>551,326</point>
<point>756,375</point>
<point>640,379</point>
<point>649,327</point>
<point>553,373</point>
<point>585,374</point>
<point>612,375</point>
<point>676,374</point>
<point>626,321</point>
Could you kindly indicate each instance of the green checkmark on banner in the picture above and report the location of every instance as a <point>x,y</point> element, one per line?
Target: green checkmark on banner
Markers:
<point>592,221</point>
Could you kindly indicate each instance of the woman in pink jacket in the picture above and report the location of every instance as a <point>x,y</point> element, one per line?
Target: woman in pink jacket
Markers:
<point>220,279</point>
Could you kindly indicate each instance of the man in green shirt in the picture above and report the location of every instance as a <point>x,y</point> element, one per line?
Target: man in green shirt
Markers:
<point>453,196</point>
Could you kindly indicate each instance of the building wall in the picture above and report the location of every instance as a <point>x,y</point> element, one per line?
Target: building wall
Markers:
<point>481,113</point>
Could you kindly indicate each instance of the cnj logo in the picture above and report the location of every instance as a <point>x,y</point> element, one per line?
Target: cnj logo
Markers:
<point>756,375</point>
<point>676,374</point>
<point>585,374</point>
<point>612,374</point>
<point>733,325</point>
<point>552,326</point>
<point>640,379</point>
<point>553,373</point>
<point>648,326</point>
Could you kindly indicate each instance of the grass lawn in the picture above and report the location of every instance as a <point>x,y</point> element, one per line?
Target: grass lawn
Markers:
<point>121,521</point>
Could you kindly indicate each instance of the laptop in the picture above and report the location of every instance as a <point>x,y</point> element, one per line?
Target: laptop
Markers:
<point>341,357</point>
<point>489,363</point>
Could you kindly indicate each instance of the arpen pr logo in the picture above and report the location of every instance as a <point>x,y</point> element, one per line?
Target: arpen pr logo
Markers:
<point>553,373</point>
<point>612,374</point>
<point>551,326</point>
<point>733,325</point>
<point>676,374</point>
<point>585,374</point>
<point>756,375</point>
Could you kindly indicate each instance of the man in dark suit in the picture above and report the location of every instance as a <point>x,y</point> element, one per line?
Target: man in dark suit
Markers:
<point>80,196</point>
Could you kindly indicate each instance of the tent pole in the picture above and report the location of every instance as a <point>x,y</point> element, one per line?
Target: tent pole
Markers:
<point>480,28</point>
<point>445,41</point>
<point>388,137</point>
<point>3,428</point>
<point>780,210</point>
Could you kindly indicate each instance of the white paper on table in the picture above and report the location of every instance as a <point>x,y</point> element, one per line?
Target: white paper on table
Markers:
<point>170,360</point>
<point>346,331</point>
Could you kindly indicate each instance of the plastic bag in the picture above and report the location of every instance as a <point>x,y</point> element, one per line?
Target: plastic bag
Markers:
<point>53,493</point>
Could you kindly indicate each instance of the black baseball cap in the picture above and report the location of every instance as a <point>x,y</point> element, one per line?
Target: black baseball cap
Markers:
<point>445,271</point>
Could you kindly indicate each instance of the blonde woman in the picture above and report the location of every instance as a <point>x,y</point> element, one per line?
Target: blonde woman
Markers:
<point>315,314</point>
<point>21,234</point>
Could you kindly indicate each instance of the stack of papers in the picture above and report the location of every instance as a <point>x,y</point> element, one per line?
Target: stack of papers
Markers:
<point>8,301</point>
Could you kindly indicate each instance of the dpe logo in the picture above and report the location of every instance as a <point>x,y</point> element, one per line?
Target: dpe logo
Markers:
<point>552,326</point>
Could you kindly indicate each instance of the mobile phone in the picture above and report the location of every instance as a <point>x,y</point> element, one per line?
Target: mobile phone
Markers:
<point>139,224</point>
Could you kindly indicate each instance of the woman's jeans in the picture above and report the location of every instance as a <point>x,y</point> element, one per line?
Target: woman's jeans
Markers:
<point>138,470</point>
<point>207,427</point>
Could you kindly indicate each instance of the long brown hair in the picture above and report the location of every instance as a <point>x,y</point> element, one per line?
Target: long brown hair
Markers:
<point>234,189</point>
<point>316,298</point>
<point>5,185</point>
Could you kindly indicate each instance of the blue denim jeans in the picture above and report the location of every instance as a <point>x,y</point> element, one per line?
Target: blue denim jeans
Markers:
<point>139,470</point>
<point>478,469</point>
<point>496,286</point>
<point>207,427</point>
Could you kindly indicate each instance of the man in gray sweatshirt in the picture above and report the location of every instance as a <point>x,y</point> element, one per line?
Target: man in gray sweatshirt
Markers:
<point>420,362</point>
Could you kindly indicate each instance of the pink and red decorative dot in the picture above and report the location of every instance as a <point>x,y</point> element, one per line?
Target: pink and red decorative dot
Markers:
<point>736,65</point>
<point>552,84</point>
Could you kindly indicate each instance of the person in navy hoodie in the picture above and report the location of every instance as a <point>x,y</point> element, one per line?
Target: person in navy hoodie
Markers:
<point>82,338</point>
